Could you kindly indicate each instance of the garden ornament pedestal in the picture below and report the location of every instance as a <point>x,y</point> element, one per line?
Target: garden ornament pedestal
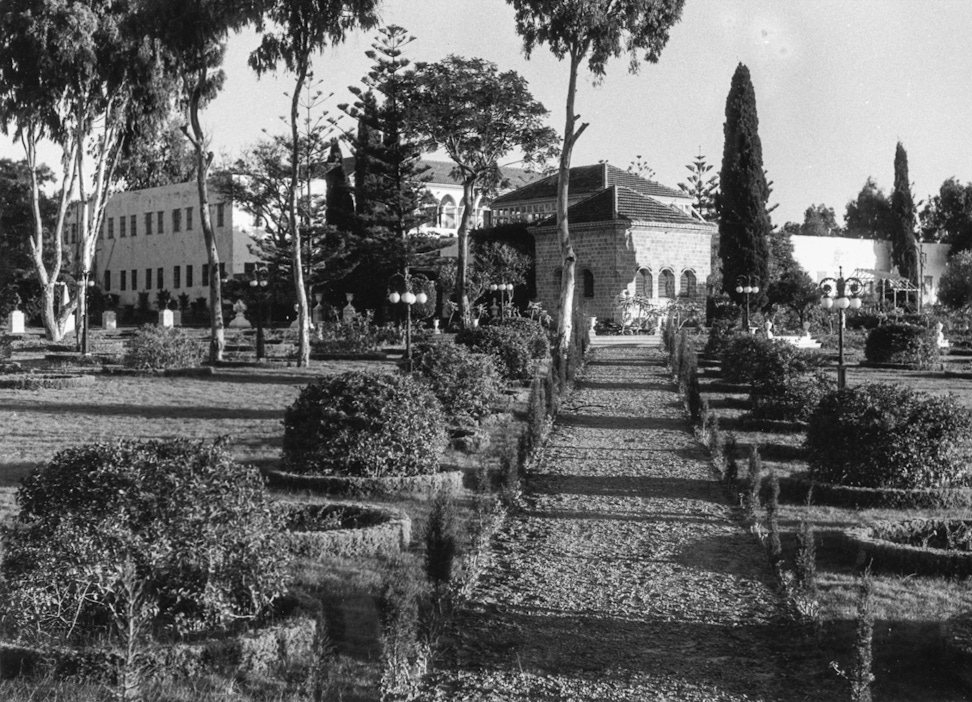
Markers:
<point>15,322</point>
<point>109,320</point>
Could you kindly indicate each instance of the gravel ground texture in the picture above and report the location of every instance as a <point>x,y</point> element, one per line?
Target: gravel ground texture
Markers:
<point>626,577</point>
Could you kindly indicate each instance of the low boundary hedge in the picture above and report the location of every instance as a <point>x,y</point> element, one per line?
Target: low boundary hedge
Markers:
<point>794,489</point>
<point>258,652</point>
<point>864,546</point>
<point>45,381</point>
<point>358,486</point>
<point>364,530</point>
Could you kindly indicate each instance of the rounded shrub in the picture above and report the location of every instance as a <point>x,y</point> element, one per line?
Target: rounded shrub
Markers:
<point>887,436</point>
<point>158,348</point>
<point>537,336</point>
<point>791,396</point>
<point>908,344</point>
<point>747,358</point>
<point>193,528</point>
<point>365,425</point>
<point>466,383</point>
<point>509,347</point>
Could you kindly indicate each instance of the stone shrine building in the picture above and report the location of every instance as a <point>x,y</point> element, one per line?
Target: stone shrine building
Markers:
<point>629,234</point>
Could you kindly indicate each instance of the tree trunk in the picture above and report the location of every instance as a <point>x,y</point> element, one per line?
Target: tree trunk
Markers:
<point>569,259</point>
<point>204,160</point>
<point>462,262</point>
<point>303,345</point>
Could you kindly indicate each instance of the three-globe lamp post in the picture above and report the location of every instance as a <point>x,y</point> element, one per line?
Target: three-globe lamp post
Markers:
<point>842,293</point>
<point>502,288</point>
<point>258,284</point>
<point>408,298</point>
<point>747,285</point>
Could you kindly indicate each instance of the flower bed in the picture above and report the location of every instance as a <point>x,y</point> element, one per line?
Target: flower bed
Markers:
<point>794,489</point>
<point>922,546</point>
<point>360,486</point>
<point>342,529</point>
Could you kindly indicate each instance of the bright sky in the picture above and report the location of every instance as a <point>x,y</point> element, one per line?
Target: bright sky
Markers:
<point>837,83</point>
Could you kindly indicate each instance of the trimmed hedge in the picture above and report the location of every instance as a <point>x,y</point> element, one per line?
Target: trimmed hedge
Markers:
<point>790,396</point>
<point>794,489</point>
<point>910,345</point>
<point>351,486</point>
<point>155,347</point>
<point>885,545</point>
<point>45,381</point>
<point>886,436</point>
<point>370,425</point>
<point>344,529</point>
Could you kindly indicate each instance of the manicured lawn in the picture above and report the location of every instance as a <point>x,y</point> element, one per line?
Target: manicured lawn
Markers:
<point>908,609</point>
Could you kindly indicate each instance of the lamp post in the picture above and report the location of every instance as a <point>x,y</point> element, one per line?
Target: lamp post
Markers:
<point>747,285</point>
<point>87,284</point>
<point>842,293</point>
<point>502,288</point>
<point>408,298</point>
<point>258,285</point>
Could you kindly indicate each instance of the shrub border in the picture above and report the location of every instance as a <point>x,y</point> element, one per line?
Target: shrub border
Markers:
<point>190,372</point>
<point>794,489</point>
<point>391,536</point>
<point>46,381</point>
<point>904,558</point>
<point>249,651</point>
<point>357,486</point>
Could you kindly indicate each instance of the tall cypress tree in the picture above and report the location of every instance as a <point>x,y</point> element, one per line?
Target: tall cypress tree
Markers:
<point>744,222</point>
<point>904,245</point>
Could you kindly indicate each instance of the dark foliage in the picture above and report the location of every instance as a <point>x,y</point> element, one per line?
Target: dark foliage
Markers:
<point>467,383</point>
<point>911,345</point>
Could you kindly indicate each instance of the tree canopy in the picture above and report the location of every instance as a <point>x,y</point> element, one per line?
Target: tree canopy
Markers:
<point>947,217</point>
<point>868,216</point>
<point>904,244</point>
<point>701,187</point>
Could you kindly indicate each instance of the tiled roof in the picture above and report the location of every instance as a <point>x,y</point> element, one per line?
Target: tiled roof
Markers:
<point>619,202</point>
<point>589,179</point>
<point>441,172</point>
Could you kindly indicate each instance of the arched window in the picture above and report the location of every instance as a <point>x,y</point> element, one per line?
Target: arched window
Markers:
<point>447,213</point>
<point>558,277</point>
<point>643,283</point>
<point>687,284</point>
<point>666,284</point>
<point>588,278</point>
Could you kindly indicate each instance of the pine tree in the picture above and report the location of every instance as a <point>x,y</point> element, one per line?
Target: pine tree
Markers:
<point>702,187</point>
<point>744,223</point>
<point>390,194</point>
<point>904,251</point>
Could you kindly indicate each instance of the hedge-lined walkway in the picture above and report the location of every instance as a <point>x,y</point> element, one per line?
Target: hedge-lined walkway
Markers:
<point>626,578</point>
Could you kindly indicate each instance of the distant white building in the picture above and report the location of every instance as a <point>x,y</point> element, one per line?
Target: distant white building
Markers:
<point>152,240</point>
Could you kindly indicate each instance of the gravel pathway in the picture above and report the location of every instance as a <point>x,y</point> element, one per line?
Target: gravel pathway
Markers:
<point>625,578</point>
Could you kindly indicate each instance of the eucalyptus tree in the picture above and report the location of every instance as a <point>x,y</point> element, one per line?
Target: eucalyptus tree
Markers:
<point>301,29</point>
<point>478,116</point>
<point>192,35</point>
<point>595,31</point>
<point>80,75</point>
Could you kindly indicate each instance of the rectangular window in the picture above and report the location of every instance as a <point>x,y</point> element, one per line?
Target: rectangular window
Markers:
<point>122,280</point>
<point>122,228</point>
<point>74,233</point>
<point>111,229</point>
<point>249,268</point>
<point>134,279</point>
<point>101,232</point>
<point>107,281</point>
<point>176,276</point>
<point>219,214</point>
<point>222,270</point>
<point>148,224</point>
<point>160,278</point>
<point>134,224</point>
<point>176,220</point>
<point>188,219</point>
<point>188,276</point>
<point>148,278</point>
<point>205,275</point>
<point>160,220</point>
